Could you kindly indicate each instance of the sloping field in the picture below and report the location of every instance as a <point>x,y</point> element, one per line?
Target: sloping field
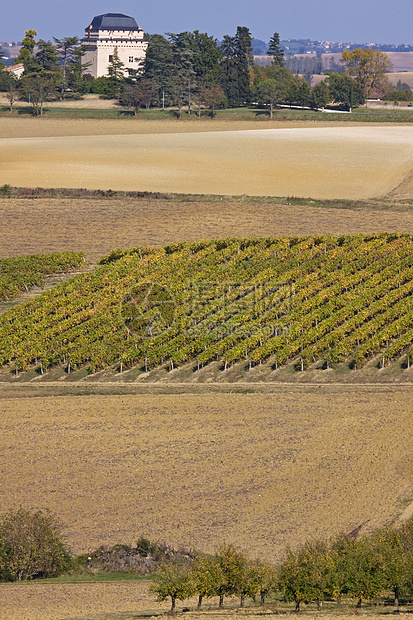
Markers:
<point>308,301</point>
<point>331,162</point>
<point>262,471</point>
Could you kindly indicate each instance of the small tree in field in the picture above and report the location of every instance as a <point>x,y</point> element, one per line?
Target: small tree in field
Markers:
<point>206,576</point>
<point>31,545</point>
<point>173,580</point>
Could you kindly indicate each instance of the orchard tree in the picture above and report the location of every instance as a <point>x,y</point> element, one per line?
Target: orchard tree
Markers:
<point>368,67</point>
<point>206,577</point>
<point>173,580</point>
<point>32,545</point>
<point>232,565</point>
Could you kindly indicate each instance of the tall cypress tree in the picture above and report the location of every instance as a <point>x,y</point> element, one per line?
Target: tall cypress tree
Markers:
<point>276,51</point>
<point>229,71</point>
<point>244,60</point>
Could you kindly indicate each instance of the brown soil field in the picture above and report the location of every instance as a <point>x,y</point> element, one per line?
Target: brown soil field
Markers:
<point>259,470</point>
<point>122,601</point>
<point>97,226</point>
<point>328,162</point>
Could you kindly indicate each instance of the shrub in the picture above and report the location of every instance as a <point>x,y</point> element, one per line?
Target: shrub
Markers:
<point>31,546</point>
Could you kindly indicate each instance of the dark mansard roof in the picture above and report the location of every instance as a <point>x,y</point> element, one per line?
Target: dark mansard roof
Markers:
<point>113,21</point>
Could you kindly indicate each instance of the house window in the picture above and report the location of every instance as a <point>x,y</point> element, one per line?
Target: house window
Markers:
<point>110,58</point>
<point>130,58</point>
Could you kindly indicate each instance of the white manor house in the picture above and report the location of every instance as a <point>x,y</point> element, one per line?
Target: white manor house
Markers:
<point>109,32</point>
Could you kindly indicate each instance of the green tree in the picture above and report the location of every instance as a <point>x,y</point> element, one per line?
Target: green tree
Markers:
<point>305,574</point>
<point>159,64</point>
<point>345,90</point>
<point>37,89</point>
<point>275,50</point>
<point>175,581</point>
<point>32,545</point>
<point>397,561</point>
<point>67,51</point>
<point>368,67</point>
<point>46,58</point>
<point>116,73</point>
<point>320,96</point>
<point>244,60</point>
<point>206,55</point>
<point>359,568</point>
<point>267,579</point>
<point>27,48</point>
<point>271,92</point>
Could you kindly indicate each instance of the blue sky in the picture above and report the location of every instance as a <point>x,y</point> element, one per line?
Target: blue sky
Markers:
<point>362,21</point>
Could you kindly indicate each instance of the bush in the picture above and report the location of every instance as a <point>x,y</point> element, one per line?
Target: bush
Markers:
<point>31,546</point>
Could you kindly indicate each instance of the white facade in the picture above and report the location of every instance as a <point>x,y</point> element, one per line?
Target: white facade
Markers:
<point>109,32</point>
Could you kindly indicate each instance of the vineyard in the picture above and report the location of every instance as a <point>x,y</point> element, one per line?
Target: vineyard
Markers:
<point>18,275</point>
<point>325,300</point>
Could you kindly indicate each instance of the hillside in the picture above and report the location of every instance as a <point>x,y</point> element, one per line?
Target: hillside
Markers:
<point>308,301</point>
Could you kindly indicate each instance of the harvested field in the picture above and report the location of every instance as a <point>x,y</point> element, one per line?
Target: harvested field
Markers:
<point>97,226</point>
<point>329,162</point>
<point>261,470</point>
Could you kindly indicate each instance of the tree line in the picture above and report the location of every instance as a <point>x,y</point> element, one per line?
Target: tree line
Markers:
<point>194,70</point>
<point>344,567</point>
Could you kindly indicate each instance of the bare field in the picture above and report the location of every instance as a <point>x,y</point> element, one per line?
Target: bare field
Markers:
<point>96,226</point>
<point>261,470</point>
<point>329,162</point>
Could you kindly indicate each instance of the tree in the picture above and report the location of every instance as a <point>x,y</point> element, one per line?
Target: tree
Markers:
<point>206,54</point>
<point>305,574</point>
<point>174,581</point>
<point>32,545</point>
<point>116,72</point>
<point>182,71</point>
<point>206,577</point>
<point>158,63</point>
<point>345,90</point>
<point>270,93</point>
<point>67,51</point>
<point>244,60</point>
<point>359,568</point>
<point>320,96</point>
<point>214,97</point>
<point>267,579</point>
<point>389,543</point>
<point>10,84</point>
<point>276,51</point>
<point>232,565</point>
<point>369,67</point>
<point>27,47</point>
<point>37,89</point>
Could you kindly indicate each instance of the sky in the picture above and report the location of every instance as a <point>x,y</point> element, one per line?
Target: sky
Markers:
<point>359,21</point>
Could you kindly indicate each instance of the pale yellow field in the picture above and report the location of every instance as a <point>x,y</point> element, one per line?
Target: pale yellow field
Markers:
<point>327,162</point>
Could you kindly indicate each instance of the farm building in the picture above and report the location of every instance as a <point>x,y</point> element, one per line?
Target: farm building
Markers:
<point>110,32</point>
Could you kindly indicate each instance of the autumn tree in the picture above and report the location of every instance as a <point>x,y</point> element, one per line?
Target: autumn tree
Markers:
<point>174,581</point>
<point>31,545</point>
<point>232,566</point>
<point>206,577</point>
<point>368,67</point>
